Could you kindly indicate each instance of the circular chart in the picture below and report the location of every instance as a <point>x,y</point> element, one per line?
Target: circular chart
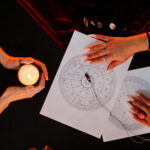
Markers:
<point>120,111</point>
<point>79,92</point>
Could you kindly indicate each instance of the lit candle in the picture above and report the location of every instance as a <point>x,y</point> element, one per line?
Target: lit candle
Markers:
<point>28,74</point>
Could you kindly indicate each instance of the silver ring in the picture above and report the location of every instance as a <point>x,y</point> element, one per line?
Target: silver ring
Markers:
<point>104,51</point>
<point>104,58</point>
<point>105,45</point>
<point>37,91</point>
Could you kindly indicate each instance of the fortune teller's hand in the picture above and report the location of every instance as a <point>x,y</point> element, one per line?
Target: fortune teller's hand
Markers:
<point>15,93</point>
<point>115,49</point>
<point>10,62</point>
<point>141,109</point>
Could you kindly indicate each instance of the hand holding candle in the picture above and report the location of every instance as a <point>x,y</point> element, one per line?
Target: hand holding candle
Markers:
<point>28,74</point>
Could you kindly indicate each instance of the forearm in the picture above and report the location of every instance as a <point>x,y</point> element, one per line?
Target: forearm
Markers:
<point>3,56</point>
<point>140,42</point>
<point>3,103</point>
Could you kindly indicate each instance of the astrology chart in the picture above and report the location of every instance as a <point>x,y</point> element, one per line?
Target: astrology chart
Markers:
<point>121,109</point>
<point>78,91</point>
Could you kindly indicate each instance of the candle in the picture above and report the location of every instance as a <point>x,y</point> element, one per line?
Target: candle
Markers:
<point>28,74</point>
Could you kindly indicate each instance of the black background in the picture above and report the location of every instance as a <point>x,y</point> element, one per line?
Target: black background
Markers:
<point>21,126</point>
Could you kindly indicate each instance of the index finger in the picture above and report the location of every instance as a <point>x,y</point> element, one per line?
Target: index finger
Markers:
<point>144,98</point>
<point>41,84</point>
<point>43,68</point>
<point>100,37</point>
<point>144,122</point>
<point>98,46</point>
<point>139,104</point>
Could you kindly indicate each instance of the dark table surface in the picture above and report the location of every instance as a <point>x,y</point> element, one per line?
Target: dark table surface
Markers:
<point>21,126</point>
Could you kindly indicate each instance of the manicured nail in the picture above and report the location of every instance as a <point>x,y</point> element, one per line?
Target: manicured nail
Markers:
<point>137,93</point>
<point>92,35</point>
<point>88,62</point>
<point>130,98</point>
<point>31,87</point>
<point>131,113</point>
<point>86,49</point>
<point>129,104</point>
<point>108,71</point>
<point>84,57</point>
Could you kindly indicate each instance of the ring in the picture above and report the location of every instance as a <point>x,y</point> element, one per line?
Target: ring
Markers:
<point>37,91</point>
<point>105,45</point>
<point>104,58</point>
<point>104,51</point>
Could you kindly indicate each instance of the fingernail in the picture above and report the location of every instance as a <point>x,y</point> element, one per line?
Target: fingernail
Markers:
<point>131,113</point>
<point>137,93</point>
<point>108,71</point>
<point>92,35</point>
<point>88,62</point>
<point>29,61</point>
<point>86,49</point>
<point>129,104</point>
<point>84,57</point>
<point>31,87</point>
<point>130,98</point>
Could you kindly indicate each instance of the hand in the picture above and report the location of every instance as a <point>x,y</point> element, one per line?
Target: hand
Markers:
<point>114,49</point>
<point>15,93</point>
<point>140,108</point>
<point>10,62</point>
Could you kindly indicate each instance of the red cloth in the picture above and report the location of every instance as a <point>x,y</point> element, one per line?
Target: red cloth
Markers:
<point>59,18</point>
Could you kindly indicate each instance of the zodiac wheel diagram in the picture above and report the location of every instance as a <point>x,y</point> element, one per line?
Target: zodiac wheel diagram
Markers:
<point>131,84</point>
<point>79,92</point>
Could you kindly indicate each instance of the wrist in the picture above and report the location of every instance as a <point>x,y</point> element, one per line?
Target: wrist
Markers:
<point>3,56</point>
<point>139,42</point>
<point>4,103</point>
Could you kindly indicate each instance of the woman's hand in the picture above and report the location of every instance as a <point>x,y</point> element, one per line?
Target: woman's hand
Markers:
<point>15,93</point>
<point>140,108</point>
<point>114,49</point>
<point>10,62</point>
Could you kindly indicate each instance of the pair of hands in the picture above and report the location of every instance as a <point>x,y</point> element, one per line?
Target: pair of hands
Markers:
<point>14,93</point>
<point>117,50</point>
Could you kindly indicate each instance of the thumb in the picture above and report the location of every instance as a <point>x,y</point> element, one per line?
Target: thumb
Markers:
<point>112,65</point>
<point>100,37</point>
<point>30,87</point>
<point>26,60</point>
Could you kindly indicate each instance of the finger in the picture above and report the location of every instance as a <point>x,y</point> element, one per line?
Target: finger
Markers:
<point>144,122</point>
<point>144,99</point>
<point>100,37</point>
<point>27,60</point>
<point>43,68</point>
<point>96,47</point>
<point>30,89</point>
<point>141,115</point>
<point>99,59</point>
<point>93,55</point>
<point>41,84</point>
<point>112,65</point>
<point>139,104</point>
<point>137,111</point>
<point>133,108</point>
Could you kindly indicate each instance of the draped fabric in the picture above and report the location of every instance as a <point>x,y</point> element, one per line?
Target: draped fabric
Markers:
<point>59,18</point>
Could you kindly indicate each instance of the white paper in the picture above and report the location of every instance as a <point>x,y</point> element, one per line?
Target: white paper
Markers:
<point>71,99</point>
<point>135,81</point>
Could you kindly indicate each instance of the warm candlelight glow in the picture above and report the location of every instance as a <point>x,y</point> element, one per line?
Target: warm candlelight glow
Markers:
<point>28,74</point>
